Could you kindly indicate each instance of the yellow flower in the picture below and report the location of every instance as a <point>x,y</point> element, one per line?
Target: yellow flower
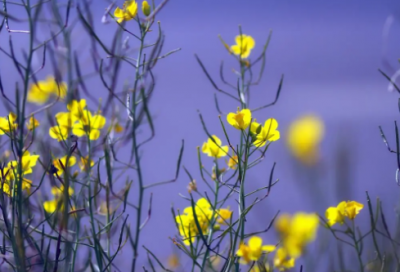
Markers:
<point>282,260</point>
<point>187,224</point>
<point>40,92</point>
<point>89,125</point>
<point>65,121</point>
<point>253,251</point>
<point>128,11</point>
<point>353,208</point>
<point>224,216</point>
<point>33,123</point>
<point>268,133</point>
<point>76,108</point>
<point>344,209</point>
<point>297,231</point>
<point>26,185</point>
<point>336,214</point>
<point>28,161</point>
<point>118,128</point>
<point>239,120</point>
<point>232,162</point>
<point>261,268</point>
<point>63,164</point>
<point>214,149</point>
<point>8,124</point>
<point>146,8</point>
<point>244,45</point>
<point>50,206</point>
<point>84,164</point>
<point>304,137</point>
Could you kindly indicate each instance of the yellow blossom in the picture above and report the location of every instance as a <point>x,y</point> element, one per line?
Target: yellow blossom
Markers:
<point>344,209</point>
<point>89,125</point>
<point>50,206</point>
<point>84,164</point>
<point>214,149</point>
<point>239,120</point>
<point>28,161</point>
<point>223,216</point>
<point>146,8</point>
<point>40,92</point>
<point>76,108</point>
<point>173,261</point>
<point>297,231</point>
<point>304,137</point>
<point>32,123</point>
<point>253,251</point>
<point>58,191</point>
<point>65,121</point>
<point>128,11</point>
<point>268,133</point>
<point>118,128</point>
<point>61,164</point>
<point>282,260</point>
<point>232,162</point>
<point>8,124</point>
<point>244,45</point>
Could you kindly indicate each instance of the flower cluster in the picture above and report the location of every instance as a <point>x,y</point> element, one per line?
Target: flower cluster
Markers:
<point>41,91</point>
<point>205,215</point>
<point>296,232</point>
<point>344,209</point>
<point>9,173</point>
<point>77,120</point>
<point>253,250</point>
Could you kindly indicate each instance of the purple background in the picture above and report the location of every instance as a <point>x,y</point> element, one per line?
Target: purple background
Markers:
<point>329,52</point>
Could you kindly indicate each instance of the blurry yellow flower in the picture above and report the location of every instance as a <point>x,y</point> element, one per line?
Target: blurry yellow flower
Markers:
<point>26,185</point>
<point>232,162</point>
<point>58,191</point>
<point>146,8</point>
<point>223,216</point>
<point>282,260</point>
<point>32,124</point>
<point>297,231</point>
<point>304,137</point>
<point>41,92</point>
<point>8,124</point>
<point>215,149</point>
<point>61,164</point>
<point>253,251</point>
<point>269,132</point>
<point>261,268</point>
<point>118,128</point>
<point>173,261</point>
<point>244,45</point>
<point>89,125</point>
<point>50,206</point>
<point>344,209</point>
<point>128,11</point>
<point>239,120</point>
<point>84,164</point>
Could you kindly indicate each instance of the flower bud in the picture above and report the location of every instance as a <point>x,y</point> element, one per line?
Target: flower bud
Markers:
<point>146,8</point>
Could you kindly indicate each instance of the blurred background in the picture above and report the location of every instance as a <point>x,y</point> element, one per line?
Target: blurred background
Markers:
<point>329,52</point>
